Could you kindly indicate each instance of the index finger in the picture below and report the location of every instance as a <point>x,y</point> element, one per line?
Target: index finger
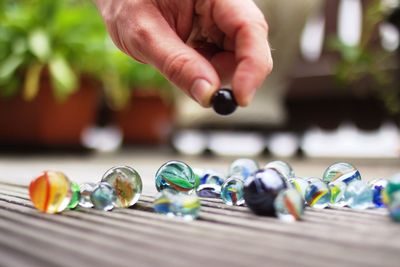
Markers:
<point>244,23</point>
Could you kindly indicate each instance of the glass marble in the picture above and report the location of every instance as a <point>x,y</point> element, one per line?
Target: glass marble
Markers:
<point>232,191</point>
<point>209,191</point>
<point>378,186</point>
<point>358,195</point>
<point>163,202</point>
<point>86,190</point>
<point>392,186</point>
<point>103,196</point>
<point>243,167</point>
<point>289,205</point>
<point>211,177</point>
<point>341,171</point>
<point>186,206</point>
<point>224,102</point>
<point>75,196</point>
<point>282,167</point>
<point>300,185</point>
<point>337,190</point>
<point>50,192</point>
<point>317,194</point>
<point>127,184</point>
<point>394,207</point>
<point>261,189</point>
<point>178,176</point>
<point>215,179</point>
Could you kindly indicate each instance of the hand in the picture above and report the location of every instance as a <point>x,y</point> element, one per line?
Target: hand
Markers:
<point>197,44</point>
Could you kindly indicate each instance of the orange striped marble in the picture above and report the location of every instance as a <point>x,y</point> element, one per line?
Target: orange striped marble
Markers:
<point>50,192</point>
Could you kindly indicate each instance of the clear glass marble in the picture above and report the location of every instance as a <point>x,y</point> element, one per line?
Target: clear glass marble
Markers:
<point>175,204</point>
<point>282,167</point>
<point>186,206</point>
<point>317,194</point>
<point>232,191</point>
<point>177,176</point>
<point>359,195</point>
<point>243,167</point>
<point>289,205</point>
<point>86,190</point>
<point>341,171</point>
<point>103,196</point>
<point>127,184</point>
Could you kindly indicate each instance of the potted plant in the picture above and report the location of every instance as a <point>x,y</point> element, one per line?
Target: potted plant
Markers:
<point>141,99</point>
<point>50,52</point>
<point>367,64</point>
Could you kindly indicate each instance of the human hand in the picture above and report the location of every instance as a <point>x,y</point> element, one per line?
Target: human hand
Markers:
<point>197,44</point>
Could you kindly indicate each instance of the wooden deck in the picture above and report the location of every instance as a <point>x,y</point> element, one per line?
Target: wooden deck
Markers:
<point>222,236</point>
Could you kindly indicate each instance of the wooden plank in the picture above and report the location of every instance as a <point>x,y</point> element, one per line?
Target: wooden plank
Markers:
<point>223,235</point>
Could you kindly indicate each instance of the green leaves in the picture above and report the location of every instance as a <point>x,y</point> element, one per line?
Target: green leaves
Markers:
<point>9,66</point>
<point>63,77</point>
<point>39,44</point>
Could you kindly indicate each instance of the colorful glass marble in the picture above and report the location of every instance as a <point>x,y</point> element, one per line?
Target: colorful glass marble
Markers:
<point>394,207</point>
<point>289,205</point>
<point>176,175</point>
<point>75,196</point>
<point>215,179</point>
<point>209,191</point>
<point>163,202</point>
<point>186,206</point>
<point>86,190</point>
<point>317,194</point>
<point>103,197</point>
<point>282,167</point>
<point>300,185</point>
<point>337,191</point>
<point>50,192</point>
<point>127,184</point>
<point>341,171</point>
<point>232,191</point>
<point>172,203</point>
<point>243,167</point>
<point>358,195</point>
<point>211,177</point>
<point>378,186</point>
<point>261,189</point>
<point>392,186</point>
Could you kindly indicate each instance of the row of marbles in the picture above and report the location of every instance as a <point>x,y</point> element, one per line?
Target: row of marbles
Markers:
<point>275,190</point>
<point>53,192</point>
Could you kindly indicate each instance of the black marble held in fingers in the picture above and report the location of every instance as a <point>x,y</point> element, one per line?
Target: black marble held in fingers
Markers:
<point>224,102</point>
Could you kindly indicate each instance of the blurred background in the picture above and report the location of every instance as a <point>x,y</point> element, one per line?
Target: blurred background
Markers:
<point>334,92</point>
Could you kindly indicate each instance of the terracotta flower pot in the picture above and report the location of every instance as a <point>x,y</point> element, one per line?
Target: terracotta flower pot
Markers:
<point>148,119</point>
<point>45,121</point>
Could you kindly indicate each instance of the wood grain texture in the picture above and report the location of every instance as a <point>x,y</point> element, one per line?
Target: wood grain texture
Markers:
<point>222,236</point>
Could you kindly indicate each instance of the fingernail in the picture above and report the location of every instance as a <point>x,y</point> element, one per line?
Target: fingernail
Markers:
<point>200,90</point>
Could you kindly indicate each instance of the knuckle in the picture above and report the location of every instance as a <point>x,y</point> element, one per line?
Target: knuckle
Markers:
<point>175,64</point>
